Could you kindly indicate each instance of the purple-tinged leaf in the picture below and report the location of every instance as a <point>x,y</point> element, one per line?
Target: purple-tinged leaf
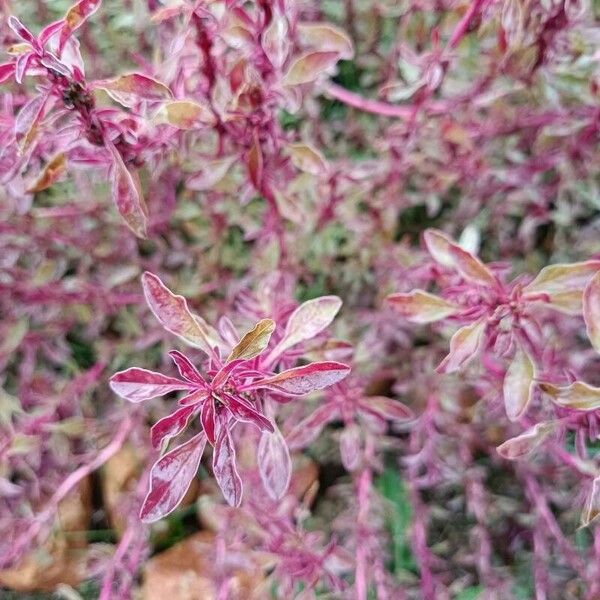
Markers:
<point>422,307</point>
<point>54,168</point>
<point>276,40</point>
<point>386,408</point>
<point>308,320</point>
<point>137,385</point>
<point>129,89</point>
<point>127,194</point>
<point>194,397</point>
<point>528,441</point>
<point>242,410</point>
<point>309,66</point>
<point>171,425</point>
<point>561,285</point>
<point>274,463</point>
<point>22,65</point>
<point>27,121</point>
<point>350,447</point>
<point>225,372</point>
<point>225,470</point>
<point>253,342</point>
<point>49,30</point>
<point>7,70</point>
<point>21,31</point>
<point>309,429</point>
<point>449,254</point>
<point>308,159</point>
<point>326,37</point>
<point>186,369</point>
<point>80,12</point>
<point>563,277</point>
<point>210,173</point>
<point>170,478</point>
<point>184,114</point>
<point>518,385</point>
<point>51,62</point>
<point>302,380</point>
<point>207,418</point>
<point>464,346</point>
<point>591,310</point>
<point>174,315</point>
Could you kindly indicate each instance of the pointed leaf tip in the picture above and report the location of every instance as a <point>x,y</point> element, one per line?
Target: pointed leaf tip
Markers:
<point>137,385</point>
<point>170,478</point>
<point>254,342</point>
<point>448,253</point>
<point>303,380</point>
<point>174,315</point>
<point>518,385</point>
<point>422,307</point>
<point>464,346</point>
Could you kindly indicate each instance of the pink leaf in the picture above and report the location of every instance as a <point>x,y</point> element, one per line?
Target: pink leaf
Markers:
<point>76,17</point>
<point>171,425</point>
<point>244,411</point>
<point>186,369</point>
<point>225,470</point>
<point>210,173</point>
<point>302,380</point>
<point>225,372</point>
<point>386,408</point>
<point>350,446</point>
<point>518,385</point>
<point>309,66</point>
<point>127,194</point>
<point>326,37</point>
<point>308,430</point>
<point>184,114</point>
<point>207,418</point>
<point>276,40</point>
<point>449,254</point>
<point>22,66</point>
<point>170,478</point>
<point>51,172</point>
<point>194,397</point>
<point>22,31</point>
<point>274,463</point>
<point>464,346</point>
<point>563,285</point>
<point>27,121</point>
<point>525,443</point>
<point>129,89</point>
<point>6,71</point>
<point>50,30</point>
<point>137,385</point>
<point>422,307</point>
<point>174,315</point>
<point>307,159</point>
<point>308,320</point>
<point>591,310</point>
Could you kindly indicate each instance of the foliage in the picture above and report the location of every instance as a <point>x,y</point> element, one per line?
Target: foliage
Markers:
<point>240,237</point>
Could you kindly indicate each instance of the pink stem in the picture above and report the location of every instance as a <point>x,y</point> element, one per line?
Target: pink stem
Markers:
<point>464,23</point>
<point>67,485</point>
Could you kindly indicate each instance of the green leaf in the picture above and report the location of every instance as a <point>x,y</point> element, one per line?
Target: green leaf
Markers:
<point>391,486</point>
